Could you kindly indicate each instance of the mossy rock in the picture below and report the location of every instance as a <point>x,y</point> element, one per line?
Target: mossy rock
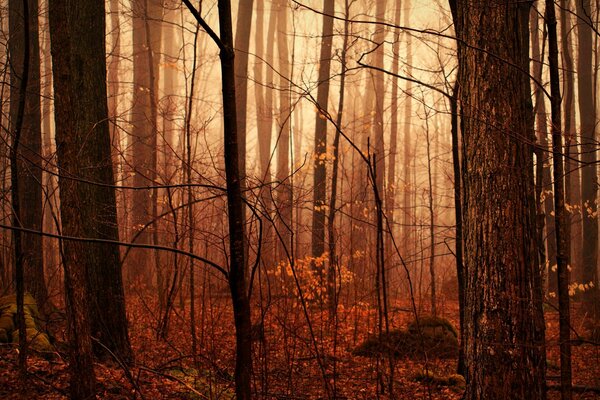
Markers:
<point>455,380</point>
<point>38,341</point>
<point>28,301</point>
<point>432,325</point>
<point>409,344</point>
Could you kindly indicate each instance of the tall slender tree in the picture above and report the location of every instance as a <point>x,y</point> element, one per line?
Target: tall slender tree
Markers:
<point>572,171</point>
<point>29,161</point>
<point>320,146</point>
<point>589,157</point>
<point>147,32</point>
<point>284,190</point>
<point>504,327</point>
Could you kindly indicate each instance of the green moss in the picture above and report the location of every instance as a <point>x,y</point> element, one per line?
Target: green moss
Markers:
<point>38,341</point>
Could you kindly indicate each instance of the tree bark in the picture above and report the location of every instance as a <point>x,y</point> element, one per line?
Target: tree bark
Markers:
<point>504,330</point>
<point>284,191</point>
<point>147,25</point>
<point>561,218</point>
<point>88,204</point>
<point>572,173</point>
<point>237,273</point>
<point>320,146</point>
<point>545,207</point>
<point>29,160</point>
<point>589,157</point>
<point>264,116</point>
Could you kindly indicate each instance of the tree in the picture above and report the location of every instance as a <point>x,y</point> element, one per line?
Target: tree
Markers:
<point>320,164</point>
<point>573,174</point>
<point>589,176</point>
<point>242,46</point>
<point>86,181</point>
<point>237,264</point>
<point>29,162</point>
<point>504,327</point>
<point>284,190</point>
<point>144,119</point>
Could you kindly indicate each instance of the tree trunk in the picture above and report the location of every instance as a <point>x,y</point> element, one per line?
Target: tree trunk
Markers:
<point>146,44</point>
<point>237,273</point>
<point>460,269</point>
<point>87,209</point>
<point>284,190</point>
<point>407,222</point>
<point>561,218</point>
<point>572,173</point>
<point>545,207</point>
<point>504,330</point>
<point>589,176</point>
<point>29,162</point>
<point>77,37</point>
<point>264,116</point>
<point>378,83</point>
<point>390,198</point>
<point>242,46</point>
<point>320,156</point>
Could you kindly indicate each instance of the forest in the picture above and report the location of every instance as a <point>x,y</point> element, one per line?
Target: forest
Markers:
<point>299,199</point>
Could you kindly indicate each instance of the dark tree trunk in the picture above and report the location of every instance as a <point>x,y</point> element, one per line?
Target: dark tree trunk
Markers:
<point>504,329</point>
<point>320,157</point>
<point>589,148</point>
<point>572,171</point>
<point>237,265</point>
<point>562,231</point>
<point>74,27</point>
<point>83,147</point>
<point>237,273</point>
<point>460,269</point>
<point>545,207</point>
<point>29,161</point>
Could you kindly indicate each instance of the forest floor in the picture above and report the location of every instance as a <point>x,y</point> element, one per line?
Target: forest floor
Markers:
<point>285,366</point>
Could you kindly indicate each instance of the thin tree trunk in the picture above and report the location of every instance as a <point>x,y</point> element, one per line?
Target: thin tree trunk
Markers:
<point>431,221</point>
<point>572,172</point>
<point>20,45</point>
<point>390,198</point>
<point>545,204</point>
<point>320,146</point>
<point>589,176</point>
<point>264,115</point>
<point>408,229</point>
<point>29,160</point>
<point>237,264</point>
<point>146,43</point>
<point>284,191</point>
<point>562,237</point>
<point>378,81</point>
<point>460,268</point>
<point>332,284</point>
